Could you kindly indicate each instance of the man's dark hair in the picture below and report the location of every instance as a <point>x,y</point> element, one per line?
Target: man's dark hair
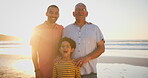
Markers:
<point>53,6</point>
<point>72,42</point>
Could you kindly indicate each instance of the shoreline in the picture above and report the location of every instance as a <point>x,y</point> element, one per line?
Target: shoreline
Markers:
<point>137,61</point>
<point>18,66</point>
<point>124,60</point>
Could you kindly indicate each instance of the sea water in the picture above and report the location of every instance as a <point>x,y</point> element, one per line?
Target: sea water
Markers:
<point>114,48</point>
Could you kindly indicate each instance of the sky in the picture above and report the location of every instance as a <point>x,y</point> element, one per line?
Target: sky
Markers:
<point>117,19</point>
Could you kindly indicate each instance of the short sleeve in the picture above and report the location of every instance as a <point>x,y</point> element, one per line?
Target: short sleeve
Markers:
<point>35,38</point>
<point>61,29</point>
<point>99,34</point>
<point>65,34</point>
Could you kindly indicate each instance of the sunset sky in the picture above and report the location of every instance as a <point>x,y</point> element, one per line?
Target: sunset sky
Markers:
<point>117,19</point>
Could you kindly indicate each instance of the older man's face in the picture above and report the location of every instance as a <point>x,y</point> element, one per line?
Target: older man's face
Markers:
<point>80,12</point>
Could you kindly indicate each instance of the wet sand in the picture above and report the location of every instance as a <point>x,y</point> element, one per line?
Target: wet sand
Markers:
<point>17,66</point>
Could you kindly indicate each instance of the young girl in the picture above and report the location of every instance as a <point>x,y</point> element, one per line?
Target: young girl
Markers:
<point>66,66</point>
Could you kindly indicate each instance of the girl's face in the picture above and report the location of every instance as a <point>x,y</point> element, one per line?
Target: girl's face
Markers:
<point>66,49</point>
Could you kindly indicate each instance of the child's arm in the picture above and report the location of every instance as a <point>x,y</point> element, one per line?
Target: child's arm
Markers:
<point>54,74</point>
<point>78,75</point>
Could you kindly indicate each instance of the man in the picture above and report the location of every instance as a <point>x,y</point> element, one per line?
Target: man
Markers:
<point>44,43</point>
<point>89,41</point>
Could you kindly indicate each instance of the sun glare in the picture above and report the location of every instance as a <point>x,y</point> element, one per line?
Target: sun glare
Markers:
<point>15,48</point>
<point>24,66</point>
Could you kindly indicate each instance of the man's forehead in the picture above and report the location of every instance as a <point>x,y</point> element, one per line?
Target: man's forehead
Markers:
<point>52,8</point>
<point>80,5</point>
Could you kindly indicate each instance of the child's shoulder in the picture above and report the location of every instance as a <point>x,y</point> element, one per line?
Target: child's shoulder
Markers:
<point>74,61</point>
<point>57,60</point>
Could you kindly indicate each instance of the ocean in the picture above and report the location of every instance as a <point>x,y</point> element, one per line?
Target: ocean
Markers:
<point>112,48</point>
<point>127,48</point>
<point>126,44</point>
<point>15,48</point>
<point>121,59</point>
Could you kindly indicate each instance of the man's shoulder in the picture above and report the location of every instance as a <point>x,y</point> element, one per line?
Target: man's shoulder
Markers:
<point>91,24</point>
<point>39,27</point>
<point>69,26</point>
<point>60,26</point>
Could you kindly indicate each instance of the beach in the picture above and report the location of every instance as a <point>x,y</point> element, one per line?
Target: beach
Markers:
<point>18,66</point>
<point>122,67</point>
<point>121,59</point>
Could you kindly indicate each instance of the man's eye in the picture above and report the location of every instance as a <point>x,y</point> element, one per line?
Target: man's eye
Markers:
<point>50,12</point>
<point>56,13</point>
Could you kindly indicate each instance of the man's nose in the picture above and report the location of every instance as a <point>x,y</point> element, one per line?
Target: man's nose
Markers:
<point>54,15</point>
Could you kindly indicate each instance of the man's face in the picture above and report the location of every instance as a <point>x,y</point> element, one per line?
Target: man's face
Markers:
<point>80,12</point>
<point>52,14</point>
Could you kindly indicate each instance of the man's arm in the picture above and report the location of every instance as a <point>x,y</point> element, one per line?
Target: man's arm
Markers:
<point>35,62</point>
<point>96,53</point>
<point>35,58</point>
<point>54,74</point>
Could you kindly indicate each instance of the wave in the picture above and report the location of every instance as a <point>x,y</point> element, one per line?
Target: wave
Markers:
<point>109,44</point>
<point>126,48</point>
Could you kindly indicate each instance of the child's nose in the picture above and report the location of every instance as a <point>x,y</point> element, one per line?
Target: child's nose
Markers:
<point>64,48</point>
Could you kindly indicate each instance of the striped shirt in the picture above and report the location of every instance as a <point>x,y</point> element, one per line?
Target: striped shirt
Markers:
<point>66,69</point>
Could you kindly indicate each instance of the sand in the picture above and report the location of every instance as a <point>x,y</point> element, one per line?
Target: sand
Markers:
<point>6,72</point>
<point>11,66</point>
<point>17,66</point>
<point>124,60</point>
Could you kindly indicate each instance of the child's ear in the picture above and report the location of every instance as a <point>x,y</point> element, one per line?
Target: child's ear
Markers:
<point>72,50</point>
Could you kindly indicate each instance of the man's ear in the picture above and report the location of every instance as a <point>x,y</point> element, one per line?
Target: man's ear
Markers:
<point>46,14</point>
<point>86,13</point>
<point>73,14</point>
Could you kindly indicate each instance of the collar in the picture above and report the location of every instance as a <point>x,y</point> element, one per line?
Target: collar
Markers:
<point>84,24</point>
<point>47,25</point>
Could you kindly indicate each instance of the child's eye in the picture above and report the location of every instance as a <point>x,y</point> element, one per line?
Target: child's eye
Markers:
<point>62,46</point>
<point>65,46</point>
<point>68,47</point>
<point>50,12</point>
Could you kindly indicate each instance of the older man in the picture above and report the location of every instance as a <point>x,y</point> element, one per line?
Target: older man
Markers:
<point>89,41</point>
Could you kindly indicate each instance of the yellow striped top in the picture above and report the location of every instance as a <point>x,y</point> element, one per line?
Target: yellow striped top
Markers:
<point>66,69</point>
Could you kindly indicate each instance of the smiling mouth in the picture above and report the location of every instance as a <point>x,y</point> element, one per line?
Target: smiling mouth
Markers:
<point>53,18</point>
<point>80,15</point>
<point>65,51</point>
